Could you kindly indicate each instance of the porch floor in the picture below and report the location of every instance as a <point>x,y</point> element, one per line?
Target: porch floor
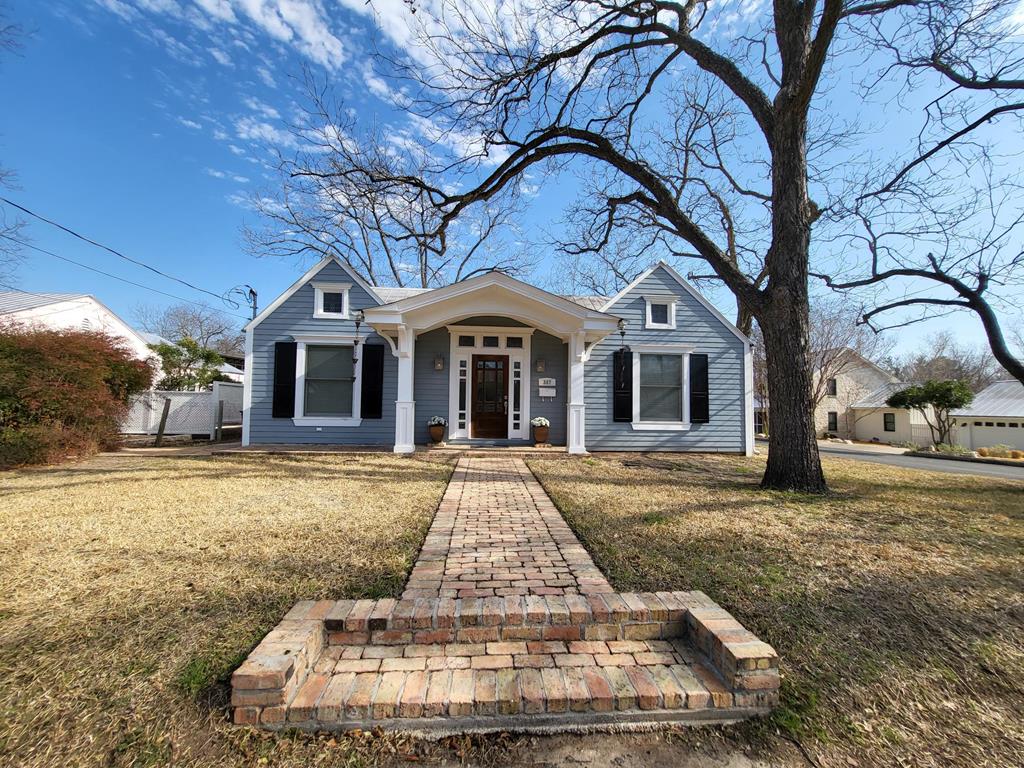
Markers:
<point>505,624</point>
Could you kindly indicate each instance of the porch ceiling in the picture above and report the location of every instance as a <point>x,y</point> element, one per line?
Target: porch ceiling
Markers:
<point>492,294</point>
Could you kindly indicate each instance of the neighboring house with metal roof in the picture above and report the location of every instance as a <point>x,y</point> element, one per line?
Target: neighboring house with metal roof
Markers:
<point>853,378</point>
<point>875,422</point>
<point>994,417</point>
<point>70,311</point>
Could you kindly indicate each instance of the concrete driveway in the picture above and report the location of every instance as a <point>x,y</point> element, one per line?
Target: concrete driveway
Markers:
<point>885,454</point>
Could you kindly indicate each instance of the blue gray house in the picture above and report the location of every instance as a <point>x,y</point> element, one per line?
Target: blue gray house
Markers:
<point>334,360</point>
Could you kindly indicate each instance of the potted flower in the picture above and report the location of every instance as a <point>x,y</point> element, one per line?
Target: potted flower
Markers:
<point>436,426</point>
<point>541,427</point>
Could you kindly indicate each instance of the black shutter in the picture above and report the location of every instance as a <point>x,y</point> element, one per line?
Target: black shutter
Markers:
<point>284,380</point>
<point>622,385</point>
<point>372,396</point>
<point>699,406</point>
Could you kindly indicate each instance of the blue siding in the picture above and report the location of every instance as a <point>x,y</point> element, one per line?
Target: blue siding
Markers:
<point>555,354</point>
<point>694,325</point>
<point>295,315</point>
<point>430,387</point>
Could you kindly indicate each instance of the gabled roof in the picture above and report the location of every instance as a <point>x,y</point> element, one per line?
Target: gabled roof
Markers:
<point>868,364</point>
<point>687,287</point>
<point>876,398</point>
<point>1003,398</point>
<point>310,274</point>
<point>18,301</point>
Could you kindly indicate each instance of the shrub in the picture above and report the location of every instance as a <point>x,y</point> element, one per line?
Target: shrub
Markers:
<point>63,392</point>
<point>983,451</point>
<point>953,450</point>
<point>1000,451</point>
<point>1017,454</point>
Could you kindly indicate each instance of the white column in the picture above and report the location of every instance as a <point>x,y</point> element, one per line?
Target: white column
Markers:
<point>405,405</point>
<point>577,410</point>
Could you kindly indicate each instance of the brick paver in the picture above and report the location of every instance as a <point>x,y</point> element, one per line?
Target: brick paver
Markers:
<point>505,623</point>
<point>497,533</point>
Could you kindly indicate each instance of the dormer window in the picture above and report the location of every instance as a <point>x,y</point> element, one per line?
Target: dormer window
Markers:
<point>661,314</point>
<point>331,300</point>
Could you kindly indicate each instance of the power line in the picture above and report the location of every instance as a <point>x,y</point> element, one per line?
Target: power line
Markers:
<point>115,277</point>
<point>107,248</point>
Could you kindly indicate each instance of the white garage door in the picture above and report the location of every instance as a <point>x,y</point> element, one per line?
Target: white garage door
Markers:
<point>999,433</point>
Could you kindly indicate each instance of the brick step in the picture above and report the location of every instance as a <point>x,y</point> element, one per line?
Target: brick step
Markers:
<point>471,687</point>
<point>614,616</point>
<point>696,663</point>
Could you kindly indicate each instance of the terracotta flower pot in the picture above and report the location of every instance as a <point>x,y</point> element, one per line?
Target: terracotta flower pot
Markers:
<point>436,432</point>
<point>540,435</point>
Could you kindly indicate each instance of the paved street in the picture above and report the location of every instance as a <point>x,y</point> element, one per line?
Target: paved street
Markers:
<point>868,453</point>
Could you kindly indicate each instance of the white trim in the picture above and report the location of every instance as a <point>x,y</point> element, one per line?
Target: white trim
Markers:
<point>309,275</point>
<point>319,289</point>
<point>523,355</point>
<point>687,287</point>
<point>748,400</point>
<point>684,351</point>
<point>300,419</point>
<point>671,324</point>
<point>247,389</point>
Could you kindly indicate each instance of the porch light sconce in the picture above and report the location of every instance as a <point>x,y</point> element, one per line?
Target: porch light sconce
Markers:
<point>539,365</point>
<point>439,363</point>
<point>622,335</point>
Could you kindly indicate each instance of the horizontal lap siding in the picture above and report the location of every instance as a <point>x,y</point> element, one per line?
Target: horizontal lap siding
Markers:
<point>695,325</point>
<point>555,354</point>
<point>430,387</point>
<point>295,316</point>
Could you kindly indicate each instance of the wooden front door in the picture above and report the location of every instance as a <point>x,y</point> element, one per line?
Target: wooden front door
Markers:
<point>490,396</point>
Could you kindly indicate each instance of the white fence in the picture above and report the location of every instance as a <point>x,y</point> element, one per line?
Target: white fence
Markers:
<point>191,413</point>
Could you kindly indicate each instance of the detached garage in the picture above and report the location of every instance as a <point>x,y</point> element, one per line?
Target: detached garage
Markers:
<point>996,417</point>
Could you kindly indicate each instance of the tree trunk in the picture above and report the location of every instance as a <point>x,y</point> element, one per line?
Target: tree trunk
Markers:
<point>793,461</point>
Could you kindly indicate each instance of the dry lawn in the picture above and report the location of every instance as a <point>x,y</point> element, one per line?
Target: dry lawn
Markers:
<point>897,603</point>
<point>131,587</point>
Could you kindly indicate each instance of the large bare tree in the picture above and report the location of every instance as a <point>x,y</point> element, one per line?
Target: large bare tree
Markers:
<point>942,226</point>
<point>686,136</point>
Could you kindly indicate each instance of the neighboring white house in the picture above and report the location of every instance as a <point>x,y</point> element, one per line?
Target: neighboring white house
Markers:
<point>855,378</point>
<point>873,421</point>
<point>70,311</point>
<point>994,417</point>
<point>229,371</point>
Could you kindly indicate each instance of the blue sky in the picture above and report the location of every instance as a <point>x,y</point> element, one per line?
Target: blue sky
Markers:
<point>144,124</point>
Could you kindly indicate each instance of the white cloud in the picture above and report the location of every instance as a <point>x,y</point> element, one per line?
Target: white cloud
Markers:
<point>236,150</point>
<point>251,129</point>
<point>215,173</point>
<point>220,134</point>
<point>301,24</point>
<point>266,76</point>
<point>190,123</point>
<point>262,108</point>
<point>240,179</point>
<point>221,57</point>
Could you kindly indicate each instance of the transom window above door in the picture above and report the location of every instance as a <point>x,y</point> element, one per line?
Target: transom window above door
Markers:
<point>330,300</point>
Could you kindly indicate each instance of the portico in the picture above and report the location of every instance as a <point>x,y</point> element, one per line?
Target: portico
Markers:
<point>491,371</point>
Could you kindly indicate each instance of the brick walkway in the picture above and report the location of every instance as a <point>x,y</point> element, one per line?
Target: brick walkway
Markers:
<point>496,533</point>
<point>505,624</point>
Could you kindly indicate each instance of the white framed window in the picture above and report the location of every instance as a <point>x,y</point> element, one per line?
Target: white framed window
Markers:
<point>330,300</point>
<point>328,381</point>
<point>661,313</point>
<point>661,387</point>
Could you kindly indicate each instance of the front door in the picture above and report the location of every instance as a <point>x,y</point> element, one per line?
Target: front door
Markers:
<point>490,396</point>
